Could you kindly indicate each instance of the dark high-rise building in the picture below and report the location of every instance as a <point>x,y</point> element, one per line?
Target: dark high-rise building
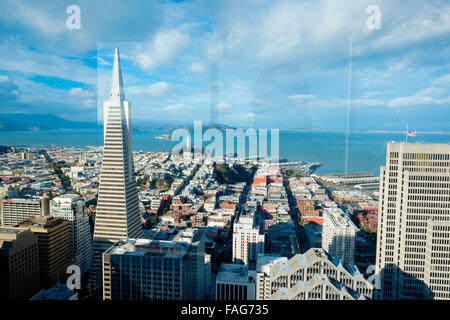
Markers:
<point>142,269</point>
<point>19,265</point>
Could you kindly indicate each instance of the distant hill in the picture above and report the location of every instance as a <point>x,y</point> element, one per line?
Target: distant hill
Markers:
<point>171,126</point>
<point>32,122</point>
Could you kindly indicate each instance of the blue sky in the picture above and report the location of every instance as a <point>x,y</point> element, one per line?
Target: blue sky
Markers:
<point>277,64</point>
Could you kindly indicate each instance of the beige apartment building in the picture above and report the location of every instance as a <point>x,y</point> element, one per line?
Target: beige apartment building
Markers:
<point>53,246</point>
<point>413,241</point>
<point>14,210</point>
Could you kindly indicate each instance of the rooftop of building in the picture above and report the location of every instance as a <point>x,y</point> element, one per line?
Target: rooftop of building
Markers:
<point>338,217</point>
<point>235,273</point>
<point>189,235</point>
<point>41,221</point>
<point>11,230</point>
<point>57,292</point>
<point>11,234</point>
<point>149,247</point>
<point>265,261</point>
<point>66,198</point>
<point>21,199</point>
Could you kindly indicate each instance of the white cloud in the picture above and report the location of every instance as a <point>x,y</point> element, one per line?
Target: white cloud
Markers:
<point>443,80</point>
<point>413,25</point>
<point>291,29</point>
<point>301,97</point>
<point>21,59</point>
<point>248,115</point>
<point>104,62</point>
<point>178,108</point>
<point>164,46</point>
<point>88,104</point>
<point>431,91</point>
<point>79,92</point>
<point>4,79</point>
<point>428,96</point>
<point>197,67</point>
<point>40,98</point>
<point>38,19</point>
<point>309,31</point>
<point>224,107</point>
<point>157,89</point>
<point>215,50</point>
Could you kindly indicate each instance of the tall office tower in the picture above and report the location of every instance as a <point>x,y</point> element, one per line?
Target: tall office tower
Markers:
<point>117,214</point>
<point>248,238</point>
<point>187,156</point>
<point>53,246</point>
<point>413,246</point>
<point>17,209</point>
<point>235,282</point>
<point>72,208</point>
<point>339,235</point>
<point>19,265</point>
<point>199,264</point>
<point>143,269</point>
<point>314,275</point>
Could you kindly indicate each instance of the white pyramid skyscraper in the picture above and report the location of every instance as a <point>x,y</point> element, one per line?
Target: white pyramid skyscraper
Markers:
<point>117,214</point>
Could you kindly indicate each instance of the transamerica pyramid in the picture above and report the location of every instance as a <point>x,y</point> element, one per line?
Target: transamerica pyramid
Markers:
<point>117,215</point>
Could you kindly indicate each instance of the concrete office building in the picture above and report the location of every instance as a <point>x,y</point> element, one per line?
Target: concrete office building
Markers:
<point>19,265</point>
<point>314,275</point>
<point>117,214</point>
<point>14,210</point>
<point>142,269</point>
<point>339,235</point>
<point>53,246</point>
<point>155,203</point>
<point>413,239</point>
<point>73,209</point>
<point>235,282</point>
<point>200,285</point>
<point>248,238</point>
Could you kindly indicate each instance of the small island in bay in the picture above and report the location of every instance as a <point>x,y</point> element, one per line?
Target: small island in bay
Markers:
<point>163,137</point>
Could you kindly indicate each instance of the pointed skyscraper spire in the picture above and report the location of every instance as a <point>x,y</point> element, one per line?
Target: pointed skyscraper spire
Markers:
<point>117,92</point>
<point>118,215</point>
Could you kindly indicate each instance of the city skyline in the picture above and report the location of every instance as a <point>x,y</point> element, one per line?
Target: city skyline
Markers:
<point>275,150</point>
